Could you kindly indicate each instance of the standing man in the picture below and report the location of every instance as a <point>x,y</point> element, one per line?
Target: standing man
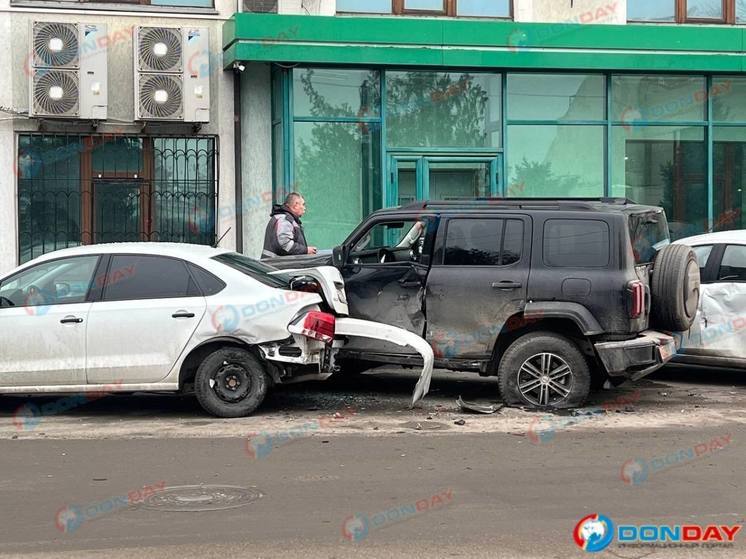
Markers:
<point>284,234</point>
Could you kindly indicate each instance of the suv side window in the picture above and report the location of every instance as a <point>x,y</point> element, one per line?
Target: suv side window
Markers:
<point>576,243</point>
<point>391,241</point>
<point>733,265</point>
<point>483,242</point>
<point>147,277</point>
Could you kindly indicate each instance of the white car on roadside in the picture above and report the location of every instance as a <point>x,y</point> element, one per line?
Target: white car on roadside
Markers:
<point>133,317</point>
<point>718,335</point>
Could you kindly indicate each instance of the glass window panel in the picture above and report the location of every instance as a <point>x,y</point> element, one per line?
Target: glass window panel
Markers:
<point>555,160</point>
<point>658,98</point>
<point>728,99</point>
<point>704,9</point>
<point>442,109</point>
<point>733,265</point>
<point>651,10</point>
<point>729,153</point>
<point>120,155</point>
<point>147,277</point>
<point>49,193</point>
<point>407,182</point>
<point>663,166</point>
<point>556,97</point>
<point>337,165</point>
<point>184,190</point>
<point>390,235</point>
<point>429,5</point>
<point>576,243</point>
<point>340,93</point>
<point>483,8</point>
<point>187,3</point>
<point>59,282</point>
<point>449,180</point>
<point>473,242</point>
<point>702,253</point>
<point>740,11</point>
<point>365,6</point>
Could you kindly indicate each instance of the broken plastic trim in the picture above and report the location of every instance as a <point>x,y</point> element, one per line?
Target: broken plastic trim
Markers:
<point>375,330</point>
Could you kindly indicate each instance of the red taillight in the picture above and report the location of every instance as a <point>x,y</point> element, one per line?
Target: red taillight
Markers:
<point>637,298</point>
<point>319,326</point>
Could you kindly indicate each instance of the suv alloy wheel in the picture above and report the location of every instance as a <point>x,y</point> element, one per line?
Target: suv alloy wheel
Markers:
<point>544,370</point>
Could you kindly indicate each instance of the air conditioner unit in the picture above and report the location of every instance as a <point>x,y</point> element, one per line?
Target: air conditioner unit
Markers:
<point>172,73</point>
<point>68,73</point>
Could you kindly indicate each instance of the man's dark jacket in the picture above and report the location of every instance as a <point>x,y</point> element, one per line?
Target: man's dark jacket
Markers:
<point>284,234</point>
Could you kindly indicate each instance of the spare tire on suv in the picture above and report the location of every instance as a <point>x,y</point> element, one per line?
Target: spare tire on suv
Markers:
<point>674,288</point>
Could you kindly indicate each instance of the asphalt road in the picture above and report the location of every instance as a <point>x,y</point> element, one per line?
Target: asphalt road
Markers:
<point>134,476</point>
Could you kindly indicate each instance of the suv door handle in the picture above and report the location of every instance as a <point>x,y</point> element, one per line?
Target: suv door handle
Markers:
<point>416,283</point>
<point>182,314</point>
<point>506,285</point>
<point>71,320</point>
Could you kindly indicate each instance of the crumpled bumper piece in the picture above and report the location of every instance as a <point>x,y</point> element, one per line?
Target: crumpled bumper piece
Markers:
<point>637,357</point>
<point>367,329</point>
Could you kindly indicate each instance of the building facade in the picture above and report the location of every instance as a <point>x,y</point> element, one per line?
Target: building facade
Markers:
<point>363,104</point>
<point>382,102</point>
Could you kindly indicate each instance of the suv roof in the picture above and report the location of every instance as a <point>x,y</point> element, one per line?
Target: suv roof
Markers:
<point>548,204</point>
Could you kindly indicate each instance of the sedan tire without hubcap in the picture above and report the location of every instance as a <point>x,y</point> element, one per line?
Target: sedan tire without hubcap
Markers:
<point>231,382</point>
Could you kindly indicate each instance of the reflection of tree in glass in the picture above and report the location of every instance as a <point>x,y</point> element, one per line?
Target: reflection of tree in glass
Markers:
<point>334,165</point>
<point>436,109</point>
<point>535,178</point>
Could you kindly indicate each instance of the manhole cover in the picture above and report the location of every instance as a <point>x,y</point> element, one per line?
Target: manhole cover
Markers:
<point>199,498</point>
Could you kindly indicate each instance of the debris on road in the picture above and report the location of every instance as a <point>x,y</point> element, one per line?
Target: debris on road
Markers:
<point>460,422</point>
<point>479,408</point>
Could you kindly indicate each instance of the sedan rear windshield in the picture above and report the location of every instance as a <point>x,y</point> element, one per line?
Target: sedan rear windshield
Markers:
<point>254,269</point>
<point>649,234</point>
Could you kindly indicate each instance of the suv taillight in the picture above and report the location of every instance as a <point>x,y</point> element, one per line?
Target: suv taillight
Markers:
<point>637,298</point>
<point>319,326</point>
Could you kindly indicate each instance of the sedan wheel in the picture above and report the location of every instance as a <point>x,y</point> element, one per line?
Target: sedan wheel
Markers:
<point>231,382</point>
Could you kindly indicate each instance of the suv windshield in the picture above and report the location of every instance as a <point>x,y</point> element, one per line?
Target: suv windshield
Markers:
<point>649,234</point>
<point>254,269</point>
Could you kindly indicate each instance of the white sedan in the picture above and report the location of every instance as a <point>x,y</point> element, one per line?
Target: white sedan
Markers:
<point>165,317</point>
<point>718,335</point>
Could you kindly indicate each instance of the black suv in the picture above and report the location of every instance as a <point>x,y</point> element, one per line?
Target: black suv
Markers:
<point>549,295</point>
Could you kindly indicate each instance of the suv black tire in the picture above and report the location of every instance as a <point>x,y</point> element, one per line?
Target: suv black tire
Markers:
<point>675,288</point>
<point>527,350</point>
<point>231,382</point>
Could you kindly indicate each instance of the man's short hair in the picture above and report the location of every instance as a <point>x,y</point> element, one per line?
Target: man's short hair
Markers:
<point>291,198</point>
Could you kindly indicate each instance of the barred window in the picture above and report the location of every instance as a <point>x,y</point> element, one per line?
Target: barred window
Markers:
<point>76,190</point>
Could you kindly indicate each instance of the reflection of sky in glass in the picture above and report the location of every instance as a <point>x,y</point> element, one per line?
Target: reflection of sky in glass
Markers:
<point>483,8</point>
<point>431,5</point>
<point>704,9</point>
<point>368,6</point>
<point>652,10</point>
<point>741,11</point>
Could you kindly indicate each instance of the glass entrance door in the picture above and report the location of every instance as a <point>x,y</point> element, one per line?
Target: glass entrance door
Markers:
<point>116,211</point>
<point>422,177</point>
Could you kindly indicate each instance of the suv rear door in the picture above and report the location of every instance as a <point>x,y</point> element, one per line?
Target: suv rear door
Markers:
<point>477,281</point>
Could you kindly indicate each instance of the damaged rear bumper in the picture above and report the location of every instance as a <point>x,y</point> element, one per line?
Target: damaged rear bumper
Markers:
<point>637,357</point>
<point>354,327</point>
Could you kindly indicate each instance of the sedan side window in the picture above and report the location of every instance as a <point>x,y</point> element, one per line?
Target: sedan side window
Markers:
<point>702,253</point>
<point>733,265</point>
<point>138,276</point>
<point>58,282</point>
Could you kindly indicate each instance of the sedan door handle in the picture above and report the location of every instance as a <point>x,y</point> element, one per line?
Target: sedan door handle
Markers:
<point>506,285</point>
<point>182,314</point>
<point>71,320</point>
